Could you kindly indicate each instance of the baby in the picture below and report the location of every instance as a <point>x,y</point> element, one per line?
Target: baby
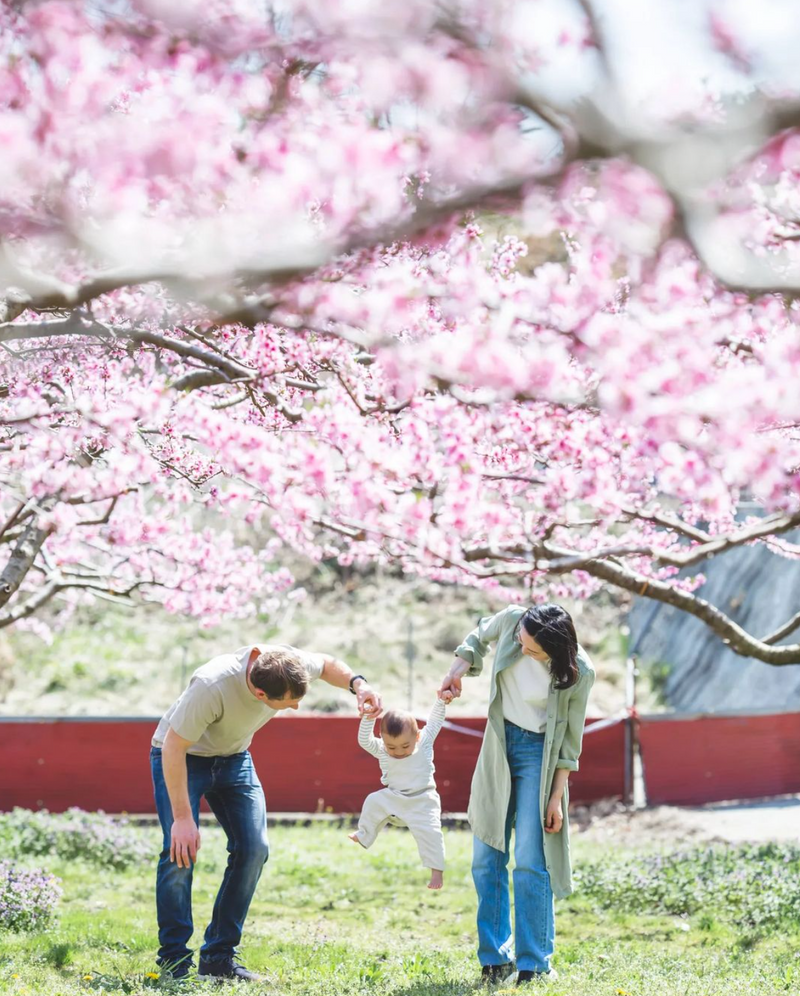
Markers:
<point>410,798</point>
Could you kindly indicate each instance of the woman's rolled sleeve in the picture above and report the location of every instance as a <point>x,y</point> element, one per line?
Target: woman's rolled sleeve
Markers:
<point>570,749</point>
<point>476,644</point>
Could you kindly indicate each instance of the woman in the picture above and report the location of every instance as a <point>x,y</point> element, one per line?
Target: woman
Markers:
<point>537,704</point>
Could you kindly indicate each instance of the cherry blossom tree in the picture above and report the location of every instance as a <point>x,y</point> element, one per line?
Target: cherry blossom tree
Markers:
<point>421,284</point>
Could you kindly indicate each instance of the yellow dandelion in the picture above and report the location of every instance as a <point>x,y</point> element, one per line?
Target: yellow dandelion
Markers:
<point>87,978</point>
<point>14,976</point>
<point>621,992</point>
<point>151,975</point>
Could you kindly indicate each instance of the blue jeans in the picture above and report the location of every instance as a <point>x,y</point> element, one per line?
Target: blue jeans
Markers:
<point>234,793</point>
<point>534,913</point>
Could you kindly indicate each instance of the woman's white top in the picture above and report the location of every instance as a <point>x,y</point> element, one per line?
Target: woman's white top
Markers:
<point>524,687</point>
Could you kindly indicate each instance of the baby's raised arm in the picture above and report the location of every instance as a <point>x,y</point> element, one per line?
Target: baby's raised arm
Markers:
<point>434,722</point>
<point>366,736</point>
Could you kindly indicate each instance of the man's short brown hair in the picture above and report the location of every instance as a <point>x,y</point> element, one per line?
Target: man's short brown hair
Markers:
<point>276,672</point>
<point>396,721</point>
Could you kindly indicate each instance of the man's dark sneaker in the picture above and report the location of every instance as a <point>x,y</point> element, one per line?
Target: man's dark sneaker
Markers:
<point>228,970</point>
<point>492,974</point>
<point>526,977</point>
<point>175,971</point>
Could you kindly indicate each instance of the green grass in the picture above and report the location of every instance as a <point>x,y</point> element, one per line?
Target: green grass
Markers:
<point>330,918</point>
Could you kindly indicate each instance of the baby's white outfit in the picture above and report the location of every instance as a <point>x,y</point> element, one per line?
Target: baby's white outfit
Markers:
<point>410,798</point>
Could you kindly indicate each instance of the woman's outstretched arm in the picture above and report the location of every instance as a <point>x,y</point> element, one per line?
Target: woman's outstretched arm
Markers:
<point>470,653</point>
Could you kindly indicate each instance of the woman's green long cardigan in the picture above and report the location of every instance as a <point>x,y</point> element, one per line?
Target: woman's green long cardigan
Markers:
<point>491,783</point>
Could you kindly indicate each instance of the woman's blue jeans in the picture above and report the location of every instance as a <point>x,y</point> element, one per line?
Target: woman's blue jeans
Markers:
<point>534,913</point>
<point>234,793</point>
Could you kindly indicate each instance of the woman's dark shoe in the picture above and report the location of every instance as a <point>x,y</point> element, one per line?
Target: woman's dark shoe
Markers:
<point>492,974</point>
<point>525,977</point>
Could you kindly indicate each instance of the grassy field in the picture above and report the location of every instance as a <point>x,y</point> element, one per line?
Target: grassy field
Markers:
<point>330,918</point>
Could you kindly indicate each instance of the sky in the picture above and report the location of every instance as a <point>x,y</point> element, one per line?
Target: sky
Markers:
<point>660,47</point>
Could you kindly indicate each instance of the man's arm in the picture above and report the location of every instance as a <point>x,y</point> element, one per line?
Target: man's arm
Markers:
<point>339,674</point>
<point>185,835</point>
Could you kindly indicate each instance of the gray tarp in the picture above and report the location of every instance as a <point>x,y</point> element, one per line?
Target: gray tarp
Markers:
<point>758,590</point>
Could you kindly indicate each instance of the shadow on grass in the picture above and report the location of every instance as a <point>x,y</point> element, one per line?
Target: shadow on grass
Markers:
<point>59,955</point>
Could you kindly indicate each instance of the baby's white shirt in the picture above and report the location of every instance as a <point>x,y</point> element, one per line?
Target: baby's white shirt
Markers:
<point>406,775</point>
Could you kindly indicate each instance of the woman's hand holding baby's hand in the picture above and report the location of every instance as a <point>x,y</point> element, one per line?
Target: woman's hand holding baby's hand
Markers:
<point>451,683</point>
<point>450,686</point>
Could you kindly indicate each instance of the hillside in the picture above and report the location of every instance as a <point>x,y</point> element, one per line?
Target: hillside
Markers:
<point>116,661</point>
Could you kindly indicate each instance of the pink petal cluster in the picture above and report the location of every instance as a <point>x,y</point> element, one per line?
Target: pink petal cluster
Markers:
<point>448,397</point>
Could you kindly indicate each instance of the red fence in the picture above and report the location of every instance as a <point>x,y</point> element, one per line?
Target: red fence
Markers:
<point>306,764</point>
<point>313,763</point>
<point>690,760</point>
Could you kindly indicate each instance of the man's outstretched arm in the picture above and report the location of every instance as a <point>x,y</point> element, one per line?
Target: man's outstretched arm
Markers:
<point>339,674</point>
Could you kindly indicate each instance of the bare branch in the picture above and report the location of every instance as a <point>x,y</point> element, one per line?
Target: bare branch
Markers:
<point>104,518</point>
<point>22,556</point>
<point>56,584</point>
<point>730,632</point>
<point>303,385</point>
<point>548,559</point>
<point>12,519</point>
<point>785,630</point>
<point>201,378</point>
<point>350,532</point>
<point>771,525</point>
<point>81,325</point>
<point>669,522</point>
<point>224,370</point>
<point>31,605</point>
<point>513,477</point>
<point>237,399</point>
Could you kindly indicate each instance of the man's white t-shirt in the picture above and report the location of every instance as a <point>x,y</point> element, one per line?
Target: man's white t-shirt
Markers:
<point>217,711</point>
<point>524,687</point>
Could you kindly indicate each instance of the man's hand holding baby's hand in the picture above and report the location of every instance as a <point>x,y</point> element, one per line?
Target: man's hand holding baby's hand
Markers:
<point>367,700</point>
<point>447,696</point>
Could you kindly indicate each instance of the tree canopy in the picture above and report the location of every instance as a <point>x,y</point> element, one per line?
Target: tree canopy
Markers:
<point>428,284</point>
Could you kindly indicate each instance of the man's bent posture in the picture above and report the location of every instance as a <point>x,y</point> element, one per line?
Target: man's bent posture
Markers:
<point>200,749</point>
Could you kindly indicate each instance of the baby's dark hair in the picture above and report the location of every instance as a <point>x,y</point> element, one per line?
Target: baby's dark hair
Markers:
<point>396,721</point>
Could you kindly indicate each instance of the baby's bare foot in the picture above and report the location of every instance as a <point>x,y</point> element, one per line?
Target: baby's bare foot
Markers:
<point>354,837</point>
<point>437,879</point>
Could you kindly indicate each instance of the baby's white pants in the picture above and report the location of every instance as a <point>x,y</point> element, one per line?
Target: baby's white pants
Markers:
<point>422,814</point>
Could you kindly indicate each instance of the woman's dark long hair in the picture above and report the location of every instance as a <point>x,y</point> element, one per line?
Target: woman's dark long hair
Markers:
<point>553,629</point>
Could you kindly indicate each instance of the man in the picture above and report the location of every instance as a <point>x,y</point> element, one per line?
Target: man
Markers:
<point>200,749</point>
